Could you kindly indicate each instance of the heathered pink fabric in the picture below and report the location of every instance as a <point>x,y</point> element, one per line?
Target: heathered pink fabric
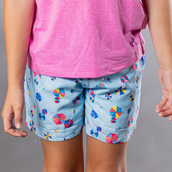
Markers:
<point>86,38</point>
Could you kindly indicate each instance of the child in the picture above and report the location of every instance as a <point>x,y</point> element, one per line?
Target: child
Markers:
<point>80,63</point>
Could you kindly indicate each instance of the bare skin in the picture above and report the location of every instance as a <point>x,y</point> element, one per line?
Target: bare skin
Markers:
<point>18,16</point>
<point>64,156</point>
<point>105,157</point>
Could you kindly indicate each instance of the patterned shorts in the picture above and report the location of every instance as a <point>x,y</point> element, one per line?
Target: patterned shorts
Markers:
<point>57,108</point>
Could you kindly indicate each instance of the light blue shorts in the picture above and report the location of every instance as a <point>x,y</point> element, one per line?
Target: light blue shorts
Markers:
<point>57,108</point>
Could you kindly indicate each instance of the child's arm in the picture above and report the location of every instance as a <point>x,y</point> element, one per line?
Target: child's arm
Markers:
<point>160,26</point>
<point>18,16</point>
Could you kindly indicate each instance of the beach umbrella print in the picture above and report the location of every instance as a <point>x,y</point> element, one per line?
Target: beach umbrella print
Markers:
<point>43,88</point>
<point>29,92</point>
<point>132,97</point>
<point>74,111</point>
<point>124,79</point>
<point>42,117</point>
<point>109,80</point>
<point>137,79</point>
<point>31,113</point>
<point>91,98</point>
<point>108,96</point>
<point>126,134</point>
<point>129,109</point>
<point>68,123</point>
<point>38,96</point>
<point>27,84</point>
<point>137,109</point>
<point>134,126</point>
<point>37,75</point>
<point>74,132</point>
<point>113,120</point>
<point>92,95</point>
<point>34,106</point>
<point>119,142</point>
<point>77,82</point>
<point>116,111</point>
<point>59,118</point>
<point>134,66</point>
<point>94,133</point>
<point>44,111</point>
<point>143,60</point>
<point>56,130</point>
<point>35,81</point>
<point>59,92</point>
<point>99,129</point>
<point>121,90</point>
<point>91,91</point>
<point>130,121</point>
<point>72,91</point>
<point>101,85</point>
<point>32,126</point>
<point>47,136</point>
<point>94,114</point>
<point>56,99</point>
<point>53,78</point>
<point>87,120</point>
<point>111,138</point>
<point>76,100</point>
<point>82,113</point>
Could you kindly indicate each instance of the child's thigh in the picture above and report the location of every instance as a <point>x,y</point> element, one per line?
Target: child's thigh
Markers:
<point>63,155</point>
<point>105,157</point>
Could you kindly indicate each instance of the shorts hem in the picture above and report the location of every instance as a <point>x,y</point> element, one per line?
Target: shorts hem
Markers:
<point>52,136</point>
<point>123,135</point>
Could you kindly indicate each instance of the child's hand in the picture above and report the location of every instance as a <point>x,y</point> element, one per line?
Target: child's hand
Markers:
<point>13,108</point>
<point>164,108</point>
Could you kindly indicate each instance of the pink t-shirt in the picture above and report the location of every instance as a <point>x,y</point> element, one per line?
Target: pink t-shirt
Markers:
<point>86,38</point>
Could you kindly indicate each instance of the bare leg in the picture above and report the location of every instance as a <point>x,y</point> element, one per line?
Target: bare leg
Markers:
<point>63,156</point>
<point>105,157</point>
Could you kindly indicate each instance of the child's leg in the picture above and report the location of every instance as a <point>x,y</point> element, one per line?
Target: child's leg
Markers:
<point>112,107</point>
<point>55,113</point>
<point>105,157</point>
<point>64,156</point>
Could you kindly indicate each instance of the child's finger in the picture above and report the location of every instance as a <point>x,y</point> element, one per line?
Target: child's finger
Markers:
<point>162,102</point>
<point>166,113</point>
<point>170,102</point>
<point>9,128</point>
<point>18,116</point>
<point>162,109</point>
<point>24,133</point>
